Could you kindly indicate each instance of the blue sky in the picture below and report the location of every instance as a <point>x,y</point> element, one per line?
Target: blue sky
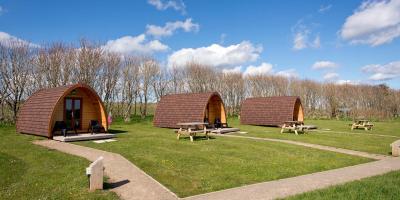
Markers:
<point>336,41</point>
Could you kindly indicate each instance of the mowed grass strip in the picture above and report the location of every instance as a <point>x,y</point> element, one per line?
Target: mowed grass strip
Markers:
<point>336,137</point>
<point>219,163</point>
<point>378,187</point>
<point>28,171</point>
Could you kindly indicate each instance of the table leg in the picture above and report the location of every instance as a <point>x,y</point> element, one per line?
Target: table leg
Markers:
<point>179,134</point>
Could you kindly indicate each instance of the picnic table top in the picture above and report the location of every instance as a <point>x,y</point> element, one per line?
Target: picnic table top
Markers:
<point>191,123</point>
<point>362,120</point>
<point>293,122</point>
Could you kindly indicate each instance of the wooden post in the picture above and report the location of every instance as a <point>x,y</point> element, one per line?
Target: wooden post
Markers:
<point>395,148</point>
<point>95,171</point>
<point>190,134</point>
<point>179,133</point>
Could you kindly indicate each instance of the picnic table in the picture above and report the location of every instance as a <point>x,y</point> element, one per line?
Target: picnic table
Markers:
<point>191,129</point>
<point>362,123</point>
<point>296,126</point>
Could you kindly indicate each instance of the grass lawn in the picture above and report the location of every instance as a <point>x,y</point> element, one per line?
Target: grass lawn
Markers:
<point>204,166</point>
<point>339,135</point>
<point>378,187</point>
<point>28,171</point>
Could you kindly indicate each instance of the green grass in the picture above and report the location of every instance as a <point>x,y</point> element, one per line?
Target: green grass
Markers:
<point>339,135</point>
<point>378,187</point>
<point>219,163</point>
<point>28,171</point>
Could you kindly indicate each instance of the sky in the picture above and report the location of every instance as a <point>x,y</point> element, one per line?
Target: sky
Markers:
<point>344,42</point>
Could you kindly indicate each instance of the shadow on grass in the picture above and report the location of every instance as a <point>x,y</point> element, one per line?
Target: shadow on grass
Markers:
<point>116,131</point>
<point>108,186</point>
<point>199,138</point>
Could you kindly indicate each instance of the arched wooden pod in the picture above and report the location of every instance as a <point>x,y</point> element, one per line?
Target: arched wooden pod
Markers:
<point>271,111</point>
<point>192,107</point>
<point>41,110</point>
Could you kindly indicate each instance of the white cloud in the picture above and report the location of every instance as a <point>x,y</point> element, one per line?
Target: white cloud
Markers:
<point>7,39</point>
<point>232,70</point>
<point>177,5</point>
<point>300,40</point>
<point>1,10</point>
<point>383,72</point>
<point>317,42</point>
<point>216,55</point>
<point>289,73</point>
<point>324,65</point>
<point>134,44</point>
<point>264,68</point>
<point>373,23</point>
<point>331,76</point>
<point>325,8</point>
<point>171,27</point>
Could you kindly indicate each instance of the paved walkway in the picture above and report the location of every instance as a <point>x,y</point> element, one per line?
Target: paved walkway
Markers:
<point>353,133</point>
<point>132,183</point>
<point>315,146</point>
<point>300,184</point>
<point>128,180</point>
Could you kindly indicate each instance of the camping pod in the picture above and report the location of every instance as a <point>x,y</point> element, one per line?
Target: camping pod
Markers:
<point>271,111</point>
<point>75,105</point>
<point>191,107</point>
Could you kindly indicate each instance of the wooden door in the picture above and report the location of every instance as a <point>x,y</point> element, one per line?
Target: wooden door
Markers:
<point>73,112</point>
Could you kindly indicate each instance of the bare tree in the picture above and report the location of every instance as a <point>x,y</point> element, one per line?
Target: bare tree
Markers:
<point>15,65</point>
<point>109,77</point>
<point>130,85</point>
<point>177,79</point>
<point>89,64</point>
<point>233,91</point>
<point>161,84</point>
<point>149,69</point>
<point>201,78</point>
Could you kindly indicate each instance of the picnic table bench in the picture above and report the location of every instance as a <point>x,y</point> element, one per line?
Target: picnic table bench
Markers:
<point>363,124</point>
<point>296,126</point>
<point>191,129</point>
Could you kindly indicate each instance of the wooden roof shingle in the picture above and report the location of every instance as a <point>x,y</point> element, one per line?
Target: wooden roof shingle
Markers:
<point>180,108</point>
<point>269,111</point>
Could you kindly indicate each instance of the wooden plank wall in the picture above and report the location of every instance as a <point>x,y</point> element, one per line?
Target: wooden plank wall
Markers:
<point>90,110</point>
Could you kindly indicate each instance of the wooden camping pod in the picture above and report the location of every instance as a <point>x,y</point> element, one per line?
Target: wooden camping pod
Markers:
<point>192,107</point>
<point>40,111</point>
<point>271,111</point>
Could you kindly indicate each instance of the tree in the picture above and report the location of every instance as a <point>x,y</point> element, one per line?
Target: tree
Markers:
<point>149,69</point>
<point>89,64</point>
<point>130,85</point>
<point>109,76</point>
<point>16,63</point>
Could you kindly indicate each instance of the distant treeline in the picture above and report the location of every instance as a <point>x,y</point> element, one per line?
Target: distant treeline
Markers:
<point>128,83</point>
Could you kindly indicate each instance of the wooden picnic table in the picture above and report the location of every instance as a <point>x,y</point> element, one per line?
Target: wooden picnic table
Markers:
<point>191,129</point>
<point>293,126</point>
<point>362,123</point>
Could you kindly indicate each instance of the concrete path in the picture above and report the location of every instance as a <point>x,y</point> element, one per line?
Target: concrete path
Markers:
<point>315,146</point>
<point>132,183</point>
<point>353,133</point>
<point>291,186</point>
<point>127,180</point>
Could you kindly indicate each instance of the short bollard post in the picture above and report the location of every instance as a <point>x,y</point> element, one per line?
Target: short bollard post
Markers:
<point>395,148</point>
<point>95,172</point>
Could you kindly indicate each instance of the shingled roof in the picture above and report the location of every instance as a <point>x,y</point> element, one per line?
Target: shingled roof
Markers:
<point>34,117</point>
<point>271,111</point>
<point>180,108</point>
